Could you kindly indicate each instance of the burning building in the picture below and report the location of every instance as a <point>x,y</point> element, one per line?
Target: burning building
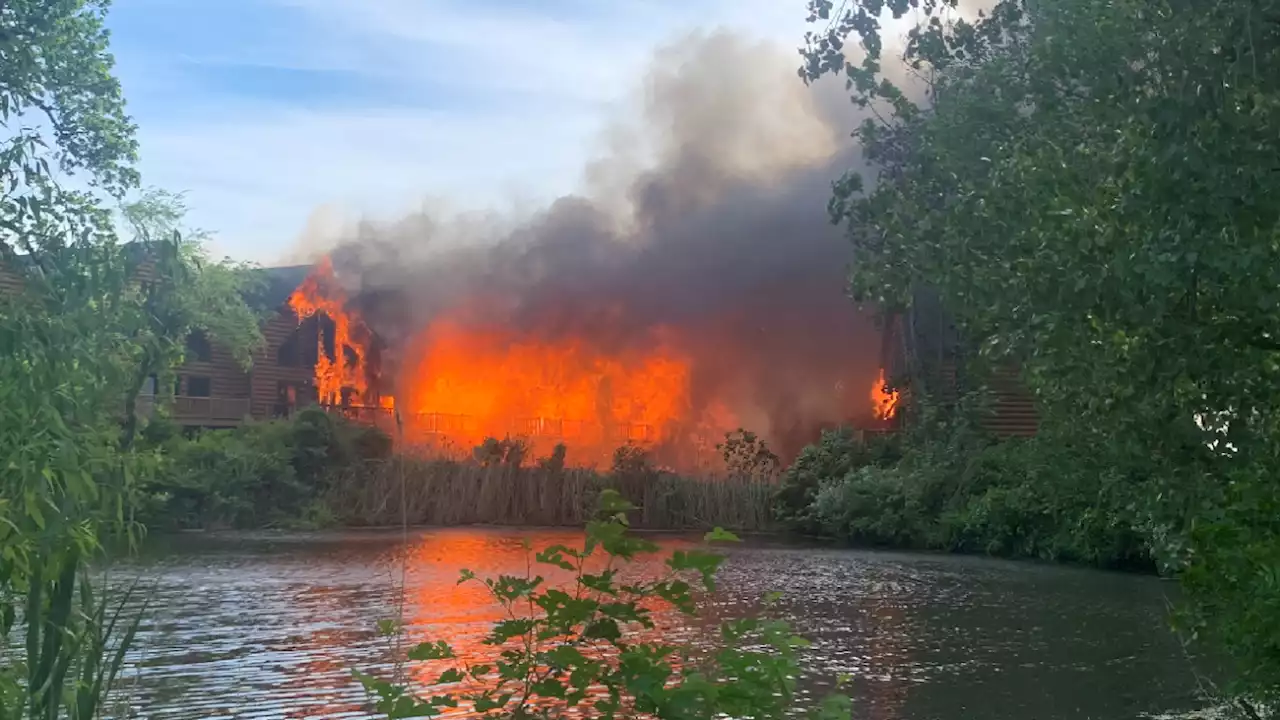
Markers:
<point>682,295</point>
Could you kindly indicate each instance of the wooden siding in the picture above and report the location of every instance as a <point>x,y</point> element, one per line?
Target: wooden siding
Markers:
<point>10,280</point>
<point>226,378</point>
<point>1013,406</point>
<point>268,373</point>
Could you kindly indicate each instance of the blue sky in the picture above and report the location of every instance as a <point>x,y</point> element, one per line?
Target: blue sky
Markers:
<point>279,117</point>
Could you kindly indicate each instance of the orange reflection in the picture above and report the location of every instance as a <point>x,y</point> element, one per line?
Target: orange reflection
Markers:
<point>437,607</point>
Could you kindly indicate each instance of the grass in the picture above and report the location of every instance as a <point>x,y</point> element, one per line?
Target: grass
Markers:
<point>461,492</point>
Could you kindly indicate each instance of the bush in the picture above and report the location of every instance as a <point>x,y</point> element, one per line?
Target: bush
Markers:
<point>956,490</point>
<point>833,457</point>
<point>872,506</point>
<point>259,474</point>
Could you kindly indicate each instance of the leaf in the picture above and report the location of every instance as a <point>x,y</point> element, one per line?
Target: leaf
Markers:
<point>603,629</point>
<point>452,675</point>
<point>508,629</point>
<point>548,687</point>
<point>704,563</point>
<point>438,650</point>
<point>719,534</point>
<point>555,555</point>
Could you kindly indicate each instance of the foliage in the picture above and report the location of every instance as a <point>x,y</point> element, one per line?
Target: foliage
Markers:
<point>205,294</point>
<point>1091,191</point>
<point>632,462</point>
<point>426,490</point>
<point>584,650</point>
<point>746,455</point>
<point>554,463</point>
<point>74,650</point>
<point>256,475</point>
<point>507,451</point>
<point>837,453</point>
<point>1025,498</point>
<point>187,294</point>
<point>66,352</point>
<point>62,112</point>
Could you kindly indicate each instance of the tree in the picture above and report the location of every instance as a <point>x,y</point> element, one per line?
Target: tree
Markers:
<point>191,292</point>
<point>63,111</point>
<point>71,344</point>
<point>1091,187</point>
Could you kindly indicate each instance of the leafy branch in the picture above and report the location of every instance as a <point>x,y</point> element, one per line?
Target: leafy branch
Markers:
<point>583,650</point>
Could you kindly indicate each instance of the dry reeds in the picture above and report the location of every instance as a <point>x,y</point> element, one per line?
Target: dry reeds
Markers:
<point>454,492</point>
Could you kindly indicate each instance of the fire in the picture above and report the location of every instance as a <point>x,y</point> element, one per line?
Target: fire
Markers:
<point>347,369</point>
<point>467,384</point>
<point>884,402</point>
<point>460,381</point>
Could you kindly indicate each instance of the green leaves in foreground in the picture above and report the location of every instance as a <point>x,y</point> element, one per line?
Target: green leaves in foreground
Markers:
<point>590,648</point>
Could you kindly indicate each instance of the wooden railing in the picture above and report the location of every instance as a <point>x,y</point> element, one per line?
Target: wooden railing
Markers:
<point>200,410</point>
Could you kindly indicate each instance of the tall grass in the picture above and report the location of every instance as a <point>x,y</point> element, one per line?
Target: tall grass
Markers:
<point>459,492</point>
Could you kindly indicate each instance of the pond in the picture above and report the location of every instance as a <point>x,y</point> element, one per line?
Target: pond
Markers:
<point>271,626</point>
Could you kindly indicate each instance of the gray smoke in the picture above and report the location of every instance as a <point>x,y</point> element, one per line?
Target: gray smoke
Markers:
<point>709,220</point>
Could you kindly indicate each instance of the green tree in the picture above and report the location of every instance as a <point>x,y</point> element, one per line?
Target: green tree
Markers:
<point>190,292</point>
<point>71,343</point>
<point>63,113</point>
<point>1090,186</point>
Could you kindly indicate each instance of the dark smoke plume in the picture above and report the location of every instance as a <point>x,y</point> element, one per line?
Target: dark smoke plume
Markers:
<point>717,228</point>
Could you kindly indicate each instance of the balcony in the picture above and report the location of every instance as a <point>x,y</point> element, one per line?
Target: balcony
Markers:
<point>204,411</point>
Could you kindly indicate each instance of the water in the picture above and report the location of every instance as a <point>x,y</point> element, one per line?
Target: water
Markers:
<point>261,626</point>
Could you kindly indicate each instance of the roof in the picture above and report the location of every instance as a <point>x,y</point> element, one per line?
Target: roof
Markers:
<point>278,283</point>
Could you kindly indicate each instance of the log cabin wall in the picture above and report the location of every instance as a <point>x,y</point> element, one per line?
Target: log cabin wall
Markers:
<point>1013,410</point>
<point>279,366</point>
<point>216,364</point>
<point>10,280</point>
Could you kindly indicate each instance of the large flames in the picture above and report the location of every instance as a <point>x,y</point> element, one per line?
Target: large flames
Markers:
<point>467,384</point>
<point>346,370</point>
<point>459,383</point>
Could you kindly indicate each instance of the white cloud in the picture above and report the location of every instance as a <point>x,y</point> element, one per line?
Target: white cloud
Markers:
<point>537,89</point>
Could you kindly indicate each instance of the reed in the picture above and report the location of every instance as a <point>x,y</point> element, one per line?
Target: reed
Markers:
<point>441,491</point>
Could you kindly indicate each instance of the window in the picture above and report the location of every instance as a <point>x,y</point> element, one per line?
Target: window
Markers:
<point>199,386</point>
<point>198,346</point>
<point>148,386</point>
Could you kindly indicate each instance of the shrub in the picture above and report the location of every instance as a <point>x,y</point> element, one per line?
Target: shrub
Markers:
<point>1031,498</point>
<point>258,474</point>
<point>588,648</point>
<point>507,451</point>
<point>746,455</point>
<point>833,457</point>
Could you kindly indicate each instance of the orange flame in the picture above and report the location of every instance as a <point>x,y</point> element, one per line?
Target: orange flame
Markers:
<point>346,370</point>
<point>464,385</point>
<point>884,402</point>
<point>460,383</point>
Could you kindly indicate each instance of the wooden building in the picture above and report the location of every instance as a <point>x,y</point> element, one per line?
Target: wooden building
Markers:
<point>923,347</point>
<point>211,388</point>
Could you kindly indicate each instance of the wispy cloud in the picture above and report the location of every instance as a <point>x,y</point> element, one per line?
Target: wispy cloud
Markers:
<point>266,110</point>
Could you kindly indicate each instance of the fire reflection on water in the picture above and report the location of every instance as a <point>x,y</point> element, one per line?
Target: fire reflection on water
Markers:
<point>272,625</point>
<point>438,607</point>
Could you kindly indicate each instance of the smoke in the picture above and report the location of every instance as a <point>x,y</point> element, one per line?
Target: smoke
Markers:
<point>703,222</point>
